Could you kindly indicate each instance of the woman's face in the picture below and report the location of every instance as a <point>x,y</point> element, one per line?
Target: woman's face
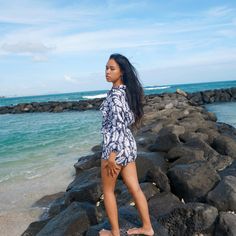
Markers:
<point>113,72</point>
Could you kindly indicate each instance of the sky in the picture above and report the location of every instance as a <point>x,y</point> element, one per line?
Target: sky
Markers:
<point>61,46</point>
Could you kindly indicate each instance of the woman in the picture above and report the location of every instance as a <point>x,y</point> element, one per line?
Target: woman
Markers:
<point>121,109</point>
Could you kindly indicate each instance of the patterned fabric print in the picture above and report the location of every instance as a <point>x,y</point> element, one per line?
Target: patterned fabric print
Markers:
<point>117,136</point>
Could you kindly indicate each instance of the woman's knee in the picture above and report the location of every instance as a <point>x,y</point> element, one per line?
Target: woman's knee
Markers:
<point>134,190</point>
<point>108,192</point>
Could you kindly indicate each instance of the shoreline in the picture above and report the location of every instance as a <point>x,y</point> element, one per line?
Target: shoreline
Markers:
<point>185,164</point>
<point>19,203</point>
<point>196,98</point>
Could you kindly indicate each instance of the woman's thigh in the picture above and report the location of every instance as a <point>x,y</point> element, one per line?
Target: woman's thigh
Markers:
<point>108,181</point>
<point>130,177</point>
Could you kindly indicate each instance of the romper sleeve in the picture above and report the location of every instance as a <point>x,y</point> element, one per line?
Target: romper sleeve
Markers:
<point>117,119</point>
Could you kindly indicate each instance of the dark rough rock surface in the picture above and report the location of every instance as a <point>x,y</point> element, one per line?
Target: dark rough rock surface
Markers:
<point>226,225</point>
<point>226,201</point>
<point>190,219</point>
<point>192,181</point>
<point>186,168</point>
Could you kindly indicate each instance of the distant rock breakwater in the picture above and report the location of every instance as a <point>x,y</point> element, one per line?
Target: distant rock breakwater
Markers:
<point>197,98</point>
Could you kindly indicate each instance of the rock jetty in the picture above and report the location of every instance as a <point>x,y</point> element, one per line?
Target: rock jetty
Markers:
<point>197,98</point>
<point>186,167</point>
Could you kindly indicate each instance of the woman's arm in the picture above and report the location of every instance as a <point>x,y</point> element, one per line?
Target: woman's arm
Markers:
<point>117,119</point>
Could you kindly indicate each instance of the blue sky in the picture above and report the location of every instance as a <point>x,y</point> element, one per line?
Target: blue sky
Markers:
<point>62,46</point>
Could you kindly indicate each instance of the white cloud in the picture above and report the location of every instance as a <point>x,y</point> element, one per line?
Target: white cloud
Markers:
<point>219,11</point>
<point>41,13</point>
<point>218,57</point>
<point>26,47</point>
<point>62,30</point>
<point>70,79</point>
<point>56,41</point>
<point>39,58</point>
<point>74,32</point>
<point>116,6</point>
<point>37,50</point>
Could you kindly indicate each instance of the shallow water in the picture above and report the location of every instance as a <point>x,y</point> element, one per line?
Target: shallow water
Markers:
<point>37,154</point>
<point>225,112</point>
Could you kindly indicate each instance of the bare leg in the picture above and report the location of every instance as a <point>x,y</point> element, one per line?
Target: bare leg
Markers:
<point>130,178</point>
<point>108,184</point>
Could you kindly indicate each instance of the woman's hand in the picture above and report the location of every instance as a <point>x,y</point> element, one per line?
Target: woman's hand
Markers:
<point>111,166</point>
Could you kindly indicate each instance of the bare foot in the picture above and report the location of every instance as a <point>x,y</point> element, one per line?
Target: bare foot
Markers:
<point>105,232</point>
<point>141,230</point>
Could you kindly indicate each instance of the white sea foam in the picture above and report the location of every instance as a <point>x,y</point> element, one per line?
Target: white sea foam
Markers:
<point>33,176</point>
<point>4,178</point>
<point>103,95</point>
<point>157,87</point>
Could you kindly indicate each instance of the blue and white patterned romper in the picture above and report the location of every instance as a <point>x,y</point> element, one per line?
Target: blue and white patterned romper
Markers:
<point>117,136</point>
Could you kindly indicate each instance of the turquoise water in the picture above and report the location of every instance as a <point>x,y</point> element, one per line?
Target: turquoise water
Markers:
<point>154,89</point>
<point>33,142</point>
<point>225,112</point>
<point>37,154</point>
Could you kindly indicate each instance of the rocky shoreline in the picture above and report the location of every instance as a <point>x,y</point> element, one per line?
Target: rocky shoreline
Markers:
<point>186,167</point>
<point>197,98</point>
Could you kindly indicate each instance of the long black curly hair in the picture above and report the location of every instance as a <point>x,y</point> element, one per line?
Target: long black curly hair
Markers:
<point>134,88</point>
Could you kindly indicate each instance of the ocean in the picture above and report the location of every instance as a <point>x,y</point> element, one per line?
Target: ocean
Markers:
<point>225,112</point>
<point>154,89</point>
<point>38,150</point>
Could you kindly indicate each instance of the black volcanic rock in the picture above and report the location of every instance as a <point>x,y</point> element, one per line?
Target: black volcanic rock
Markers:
<point>223,196</point>
<point>192,181</point>
<point>185,167</point>
<point>226,225</point>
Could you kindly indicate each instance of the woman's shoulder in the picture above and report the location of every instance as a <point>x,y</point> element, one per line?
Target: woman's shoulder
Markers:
<point>120,89</point>
<point>117,95</point>
<point>118,92</point>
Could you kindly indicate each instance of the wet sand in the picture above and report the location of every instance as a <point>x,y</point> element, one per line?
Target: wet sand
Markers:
<point>17,198</point>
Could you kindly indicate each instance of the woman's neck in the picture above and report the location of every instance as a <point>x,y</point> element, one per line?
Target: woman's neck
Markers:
<point>117,84</point>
